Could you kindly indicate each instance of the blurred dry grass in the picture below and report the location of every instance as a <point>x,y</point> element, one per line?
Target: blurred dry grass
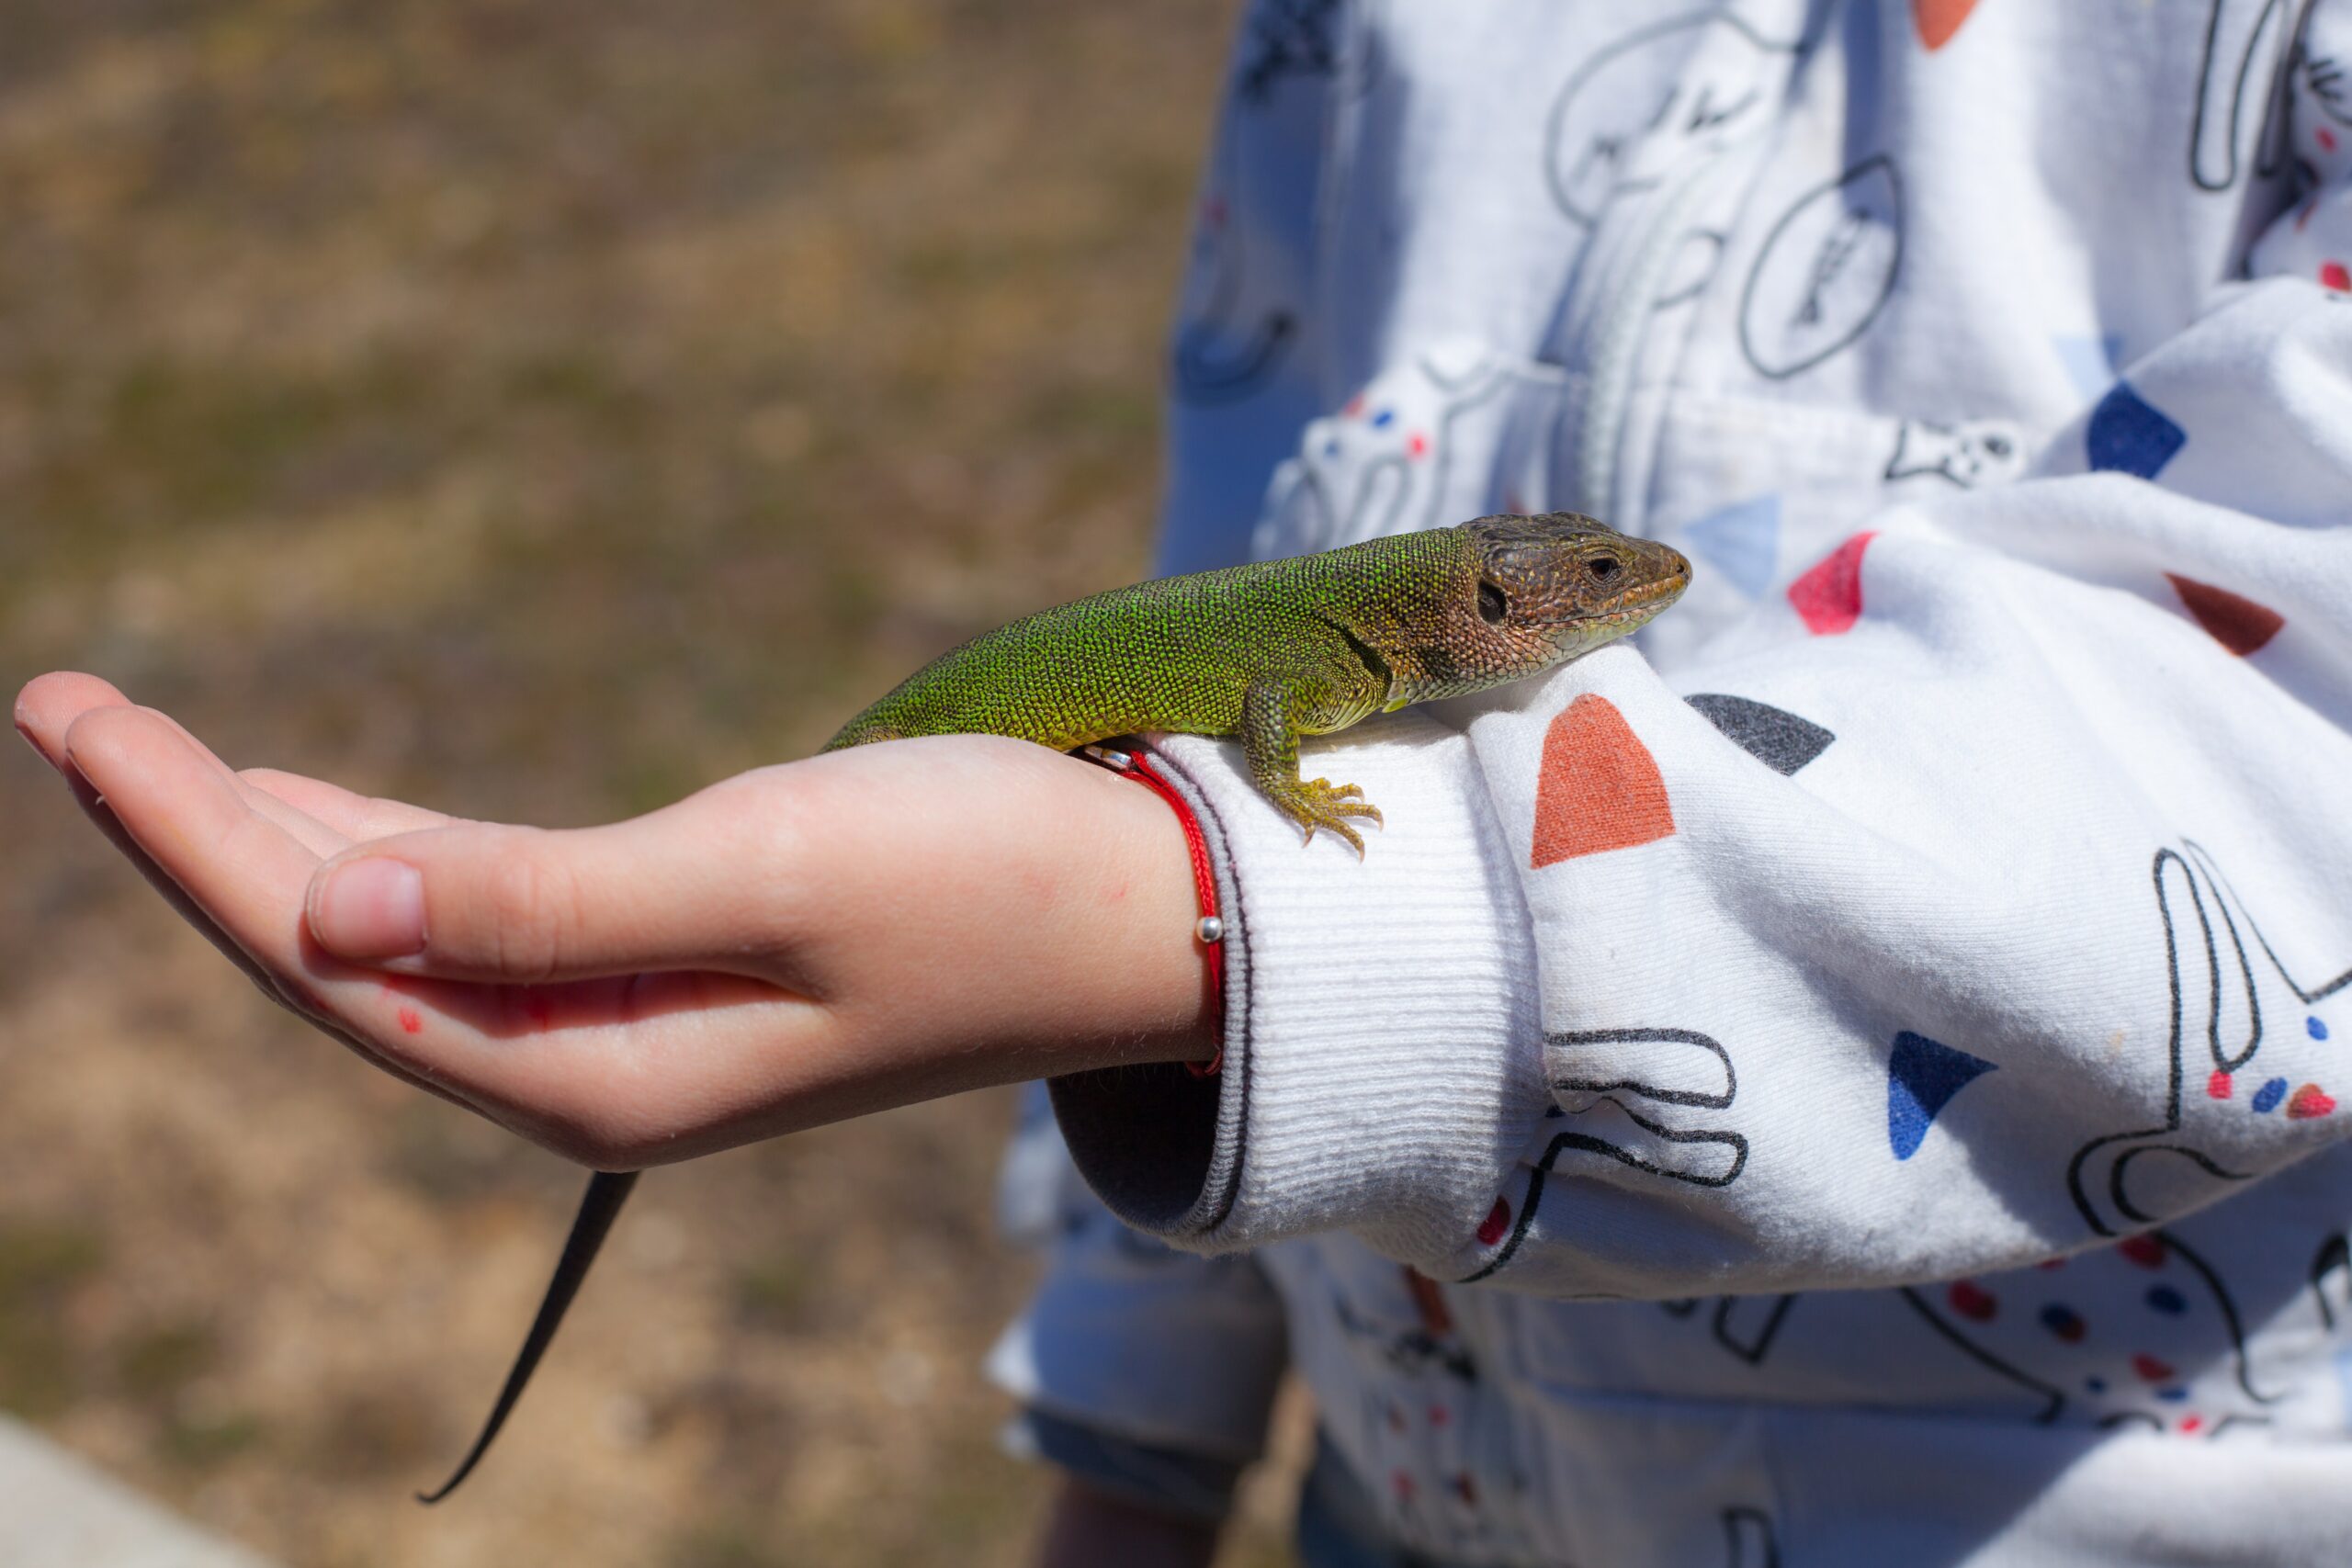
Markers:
<point>537,409</point>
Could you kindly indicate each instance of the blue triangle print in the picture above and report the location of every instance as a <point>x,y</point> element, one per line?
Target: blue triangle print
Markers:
<point>1921,1078</point>
<point>1742,541</point>
<point>2128,434</point>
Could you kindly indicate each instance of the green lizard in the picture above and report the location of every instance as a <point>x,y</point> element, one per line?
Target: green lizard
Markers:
<point>1269,653</point>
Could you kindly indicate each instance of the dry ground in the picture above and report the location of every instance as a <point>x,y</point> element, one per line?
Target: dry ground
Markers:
<point>537,409</point>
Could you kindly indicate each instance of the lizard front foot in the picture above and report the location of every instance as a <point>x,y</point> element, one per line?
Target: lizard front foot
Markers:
<point>1319,803</point>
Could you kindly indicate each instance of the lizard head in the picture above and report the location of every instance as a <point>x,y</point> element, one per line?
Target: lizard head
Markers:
<point>1569,582</point>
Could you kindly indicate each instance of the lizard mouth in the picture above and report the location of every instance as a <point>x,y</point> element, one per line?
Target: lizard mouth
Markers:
<point>1637,603</point>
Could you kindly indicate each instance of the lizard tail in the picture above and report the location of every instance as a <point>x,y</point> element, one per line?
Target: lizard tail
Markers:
<point>607,1191</point>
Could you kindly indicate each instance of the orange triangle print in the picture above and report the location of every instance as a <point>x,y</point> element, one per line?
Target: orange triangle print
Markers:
<point>1598,789</point>
<point>1939,19</point>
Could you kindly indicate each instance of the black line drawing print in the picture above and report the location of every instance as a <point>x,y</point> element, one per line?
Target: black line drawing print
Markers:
<point>1825,271</point>
<point>2103,1339</point>
<point>1289,38</point>
<point>1696,257</point>
<point>2218,991</point>
<point>2321,78</point>
<point>1648,102</point>
<point>1386,463</point>
<point>1238,318</point>
<point>1966,454</point>
<point>1748,1540</point>
<point>1415,1350</point>
<point>1231,339</point>
<point>1599,1075</point>
<point>2242,37</point>
<point>1745,1326</point>
<point>2332,1261</point>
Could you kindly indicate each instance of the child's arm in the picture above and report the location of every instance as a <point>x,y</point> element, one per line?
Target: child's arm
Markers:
<point>795,946</point>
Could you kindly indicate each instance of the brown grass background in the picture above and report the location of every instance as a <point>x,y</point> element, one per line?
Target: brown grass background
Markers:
<point>537,409</point>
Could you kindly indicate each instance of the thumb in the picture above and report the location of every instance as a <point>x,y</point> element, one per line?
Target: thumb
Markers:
<point>482,901</point>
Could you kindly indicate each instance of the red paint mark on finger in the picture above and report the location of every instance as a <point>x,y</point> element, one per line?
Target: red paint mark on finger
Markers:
<point>411,1022</point>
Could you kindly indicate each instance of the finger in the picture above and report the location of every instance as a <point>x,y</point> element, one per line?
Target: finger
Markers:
<point>358,818</point>
<point>677,889</point>
<point>45,710</point>
<point>48,705</point>
<point>102,815</point>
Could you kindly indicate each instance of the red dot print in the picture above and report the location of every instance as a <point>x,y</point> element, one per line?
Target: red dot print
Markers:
<point>2326,139</point>
<point>1971,1299</point>
<point>1828,597</point>
<point>2334,275</point>
<point>1355,407</point>
<point>411,1022</point>
<point>2308,1101</point>
<point>2218,1085</point>
<point>2151,1369</point>
<point>2189,1425</point>
<point>1439,1416</point>
<point>1417,445</point>
<point>2144,1249</point>
<point>1497,1221</point>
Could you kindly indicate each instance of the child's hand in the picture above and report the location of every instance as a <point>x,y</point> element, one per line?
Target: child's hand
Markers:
<point>795,946</point>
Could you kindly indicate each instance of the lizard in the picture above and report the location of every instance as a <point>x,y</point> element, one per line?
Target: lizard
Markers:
<point>1268,652</point>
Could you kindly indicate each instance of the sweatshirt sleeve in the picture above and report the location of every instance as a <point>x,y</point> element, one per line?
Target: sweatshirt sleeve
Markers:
<point>1986,895</point>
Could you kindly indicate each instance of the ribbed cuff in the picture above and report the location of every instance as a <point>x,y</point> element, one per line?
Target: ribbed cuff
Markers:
<point>1383,1058</point>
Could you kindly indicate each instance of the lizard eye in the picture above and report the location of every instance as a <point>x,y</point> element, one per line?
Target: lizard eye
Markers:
<point>1602,567</point>
<point>1492,605</point>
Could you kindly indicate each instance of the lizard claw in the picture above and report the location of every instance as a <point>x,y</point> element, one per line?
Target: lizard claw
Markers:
<point>1319,803</point>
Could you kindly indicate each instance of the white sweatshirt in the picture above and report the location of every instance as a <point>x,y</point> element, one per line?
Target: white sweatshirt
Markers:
<point>1866,1066</point>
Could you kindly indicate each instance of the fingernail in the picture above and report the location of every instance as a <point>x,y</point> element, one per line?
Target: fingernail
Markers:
<point>369,908</point>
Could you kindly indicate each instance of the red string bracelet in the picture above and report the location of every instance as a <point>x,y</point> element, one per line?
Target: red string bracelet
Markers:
<point>1130,761</point>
